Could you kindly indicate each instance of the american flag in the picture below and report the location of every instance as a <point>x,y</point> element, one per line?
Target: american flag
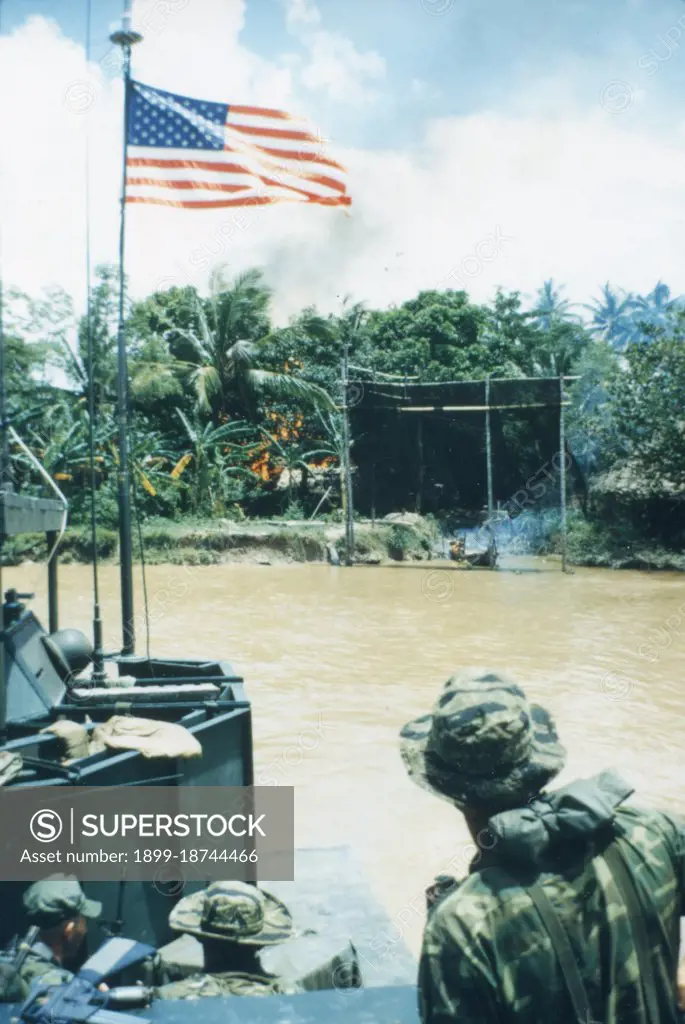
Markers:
<point>201,155</point>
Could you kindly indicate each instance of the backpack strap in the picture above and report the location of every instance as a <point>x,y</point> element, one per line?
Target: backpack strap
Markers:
<point>640,917</point>
<point>562,948</point>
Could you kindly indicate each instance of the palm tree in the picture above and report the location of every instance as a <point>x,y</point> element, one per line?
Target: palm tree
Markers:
<point>655,309</point>
<point>289,457</point>
<point>550,306</point>
<point>220,355</point>
<point>612,317</point>
<point>558,350</point>
<point>334,447</point>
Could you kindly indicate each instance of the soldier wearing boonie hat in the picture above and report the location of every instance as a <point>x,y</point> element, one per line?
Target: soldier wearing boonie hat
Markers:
<point>571,907</point>
<point>59,908</point>
<point>233,921</point>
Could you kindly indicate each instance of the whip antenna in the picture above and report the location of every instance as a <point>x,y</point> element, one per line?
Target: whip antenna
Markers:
<point>5,468</point>
<point>125,37</point>
<point>98,676</point>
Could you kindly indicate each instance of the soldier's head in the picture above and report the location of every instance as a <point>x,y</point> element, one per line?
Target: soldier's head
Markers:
<point>60,908</point>
<point>232,920</point>
<point>483,748</point>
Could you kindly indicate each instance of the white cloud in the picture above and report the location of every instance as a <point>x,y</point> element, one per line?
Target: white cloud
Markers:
<point>333,64</point>
<point>196,51</point>
<point>301,12</point>
<point>584,195</point>
<point>423,90</point>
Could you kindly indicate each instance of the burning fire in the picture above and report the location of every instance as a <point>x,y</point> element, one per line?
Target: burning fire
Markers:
<point>261,467</point>
<point>285,428</point>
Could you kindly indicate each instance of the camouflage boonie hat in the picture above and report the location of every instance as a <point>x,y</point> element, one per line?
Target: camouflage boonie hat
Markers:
<point>234,912</point>
<point>484,745</point>
<point>54,900</point>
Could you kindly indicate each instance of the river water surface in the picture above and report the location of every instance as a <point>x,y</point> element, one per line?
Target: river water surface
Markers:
<point>336,660</point>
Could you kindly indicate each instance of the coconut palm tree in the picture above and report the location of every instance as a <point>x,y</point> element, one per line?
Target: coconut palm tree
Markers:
<point>655,309</point>
<point>612,317</point>
<point>558,349</point>
<point>333,447</point>
<point>550,306</point>
<point>220,356</point>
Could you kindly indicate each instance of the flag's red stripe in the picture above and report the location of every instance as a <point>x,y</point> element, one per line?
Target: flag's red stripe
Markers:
<point>281,154</point>
<point>213,186</point>
<point>272,133</point>
<point>260,112</point>
<point>291,154</point>
<point>204,204</point>
<point>198,165</point>
<point>210,165</point>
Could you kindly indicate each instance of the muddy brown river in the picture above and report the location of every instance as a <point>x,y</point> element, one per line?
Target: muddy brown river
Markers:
<point>336,660</point>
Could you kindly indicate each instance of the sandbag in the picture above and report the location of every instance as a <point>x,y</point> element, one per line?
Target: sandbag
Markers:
<point>150,737</point>
<point>11,765</point>
<point>73,736</point>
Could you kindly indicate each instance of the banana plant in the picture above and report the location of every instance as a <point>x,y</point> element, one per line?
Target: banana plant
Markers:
<point>209,447</point>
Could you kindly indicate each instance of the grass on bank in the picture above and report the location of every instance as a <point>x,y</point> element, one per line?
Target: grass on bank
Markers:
<point>590,543</point>
<point>617,546</point>
<point>213,542</point>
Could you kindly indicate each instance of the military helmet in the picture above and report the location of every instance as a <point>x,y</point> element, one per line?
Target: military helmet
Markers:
<point>70,651</point>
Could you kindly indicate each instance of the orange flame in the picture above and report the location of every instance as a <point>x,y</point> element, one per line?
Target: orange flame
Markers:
<point>261,467</point>
<point>285,428</point>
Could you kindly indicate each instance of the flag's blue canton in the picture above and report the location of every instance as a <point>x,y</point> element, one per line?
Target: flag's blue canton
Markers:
<point>158,118</point>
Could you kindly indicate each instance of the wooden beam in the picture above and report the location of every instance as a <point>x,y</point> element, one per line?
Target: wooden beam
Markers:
<point>464,408</point>
<point>562,471</point>
<point>488,448</point>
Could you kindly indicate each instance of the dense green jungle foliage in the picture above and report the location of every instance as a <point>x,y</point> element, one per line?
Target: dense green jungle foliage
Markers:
<point>234,417</point>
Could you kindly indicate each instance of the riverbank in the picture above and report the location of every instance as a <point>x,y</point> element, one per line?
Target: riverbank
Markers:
<point>396,538</point>
<point>393,539</point>
<point>602,546</point>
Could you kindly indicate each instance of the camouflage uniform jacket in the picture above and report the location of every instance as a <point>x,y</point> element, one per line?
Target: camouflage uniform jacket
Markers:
<point>228,983</point>
<point>40,965</point>
<point>487,958</point>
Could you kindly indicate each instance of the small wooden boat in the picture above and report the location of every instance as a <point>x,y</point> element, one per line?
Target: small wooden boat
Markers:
<point>473,560</point>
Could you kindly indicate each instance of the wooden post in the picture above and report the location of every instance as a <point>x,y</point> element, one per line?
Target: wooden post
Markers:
<point>3,681</point>
<point>488,449</point>
<point>373,493</point>
<point>562,472</point>
<point>53,614</point>
<point>349,509</point>
<point>419,440</point>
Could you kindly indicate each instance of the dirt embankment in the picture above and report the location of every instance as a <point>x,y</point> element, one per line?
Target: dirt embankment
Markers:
<point>397,538</point>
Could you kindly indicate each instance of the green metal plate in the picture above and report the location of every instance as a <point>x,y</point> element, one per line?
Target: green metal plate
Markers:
<point>22,514</point>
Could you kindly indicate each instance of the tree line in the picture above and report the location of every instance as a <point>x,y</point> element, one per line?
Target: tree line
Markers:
<point>233,416</point>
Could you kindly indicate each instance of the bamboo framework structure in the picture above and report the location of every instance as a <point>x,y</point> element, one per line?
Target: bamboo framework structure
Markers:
<point>491,394</point>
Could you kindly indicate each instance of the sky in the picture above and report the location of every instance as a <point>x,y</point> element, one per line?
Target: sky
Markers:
<point>489,143</point>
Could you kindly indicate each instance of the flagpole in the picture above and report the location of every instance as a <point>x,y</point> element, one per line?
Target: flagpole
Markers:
<point>125,37</point>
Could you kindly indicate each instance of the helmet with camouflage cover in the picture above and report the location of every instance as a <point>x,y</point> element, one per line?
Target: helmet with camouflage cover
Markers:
<point>484,745</point>
<point>233,912</point>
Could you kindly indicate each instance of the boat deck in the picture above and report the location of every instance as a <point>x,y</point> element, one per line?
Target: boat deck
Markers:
<point>396,1005</point>
<point>331,904</point>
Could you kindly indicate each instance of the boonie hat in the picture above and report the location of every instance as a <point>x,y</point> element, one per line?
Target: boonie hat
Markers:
<point>483,745</point>
<point>233,912</point>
